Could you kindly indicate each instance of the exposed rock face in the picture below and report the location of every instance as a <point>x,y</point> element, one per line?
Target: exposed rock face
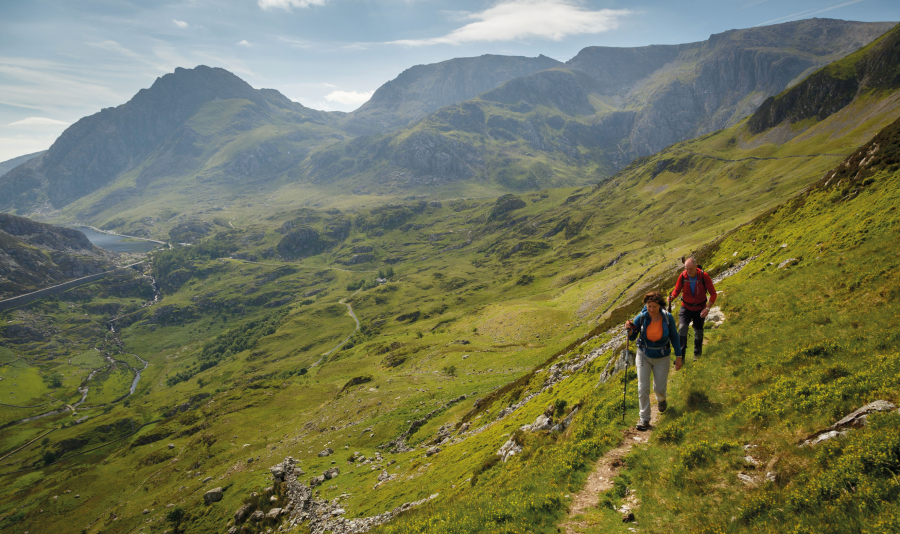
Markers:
<point>423,89</point>
<point>566,91</point>
<point>323,516</point>
<point>437,159</point>
<point>35,255</point>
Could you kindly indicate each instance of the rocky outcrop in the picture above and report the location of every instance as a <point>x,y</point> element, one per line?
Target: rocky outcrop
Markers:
<point>301,242</point>
<point>437,159</point>
<point>321,516</point>
<point>504,205</point>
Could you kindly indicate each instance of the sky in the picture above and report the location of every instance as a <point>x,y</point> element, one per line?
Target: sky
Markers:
<point>62,60</point>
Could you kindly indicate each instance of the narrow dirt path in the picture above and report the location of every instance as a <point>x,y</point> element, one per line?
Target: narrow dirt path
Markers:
<point>341,344</point>
<point>605,470</point>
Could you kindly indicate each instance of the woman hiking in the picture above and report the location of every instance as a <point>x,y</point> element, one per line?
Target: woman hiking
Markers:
<point>655,330</point>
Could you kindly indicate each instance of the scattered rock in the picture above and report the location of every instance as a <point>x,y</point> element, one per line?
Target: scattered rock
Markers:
<point>257,516</point>
<point>715,318</point>
<point>207,479</point>
<point>787,263</point>
<point>543,422</point>
<point>564,424</point>
<point>242,513</point>
<point>326,452</point>
<point>233,530</point>
<point>857,419</point>
<point>277,472</point>
<point>213,495</point>
<point>274,513</point>
<point>146,511</point>
<point>171,445</point>
<point>432,451</point>
<point>331,473</point>
<point>509,449</point>
<point>628,517</point>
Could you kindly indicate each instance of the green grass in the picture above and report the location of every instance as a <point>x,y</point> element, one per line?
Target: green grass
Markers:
<point>802,347</point>
<point>522,287</point>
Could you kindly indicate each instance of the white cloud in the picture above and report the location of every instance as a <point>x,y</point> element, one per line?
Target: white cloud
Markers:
<point>244,43</point>
<point>523,19</point>
<point>180,23</point>
<point>38,121</point>
<point>288,4</point>
<point>349,98</point>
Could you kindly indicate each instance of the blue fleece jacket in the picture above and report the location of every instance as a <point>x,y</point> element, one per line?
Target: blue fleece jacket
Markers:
<point>661,348</point>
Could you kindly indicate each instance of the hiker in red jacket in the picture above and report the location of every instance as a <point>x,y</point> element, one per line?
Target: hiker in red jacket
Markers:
<point>693,284</point>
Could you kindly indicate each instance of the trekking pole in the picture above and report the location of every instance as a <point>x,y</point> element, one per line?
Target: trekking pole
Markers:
<point>625,376</point>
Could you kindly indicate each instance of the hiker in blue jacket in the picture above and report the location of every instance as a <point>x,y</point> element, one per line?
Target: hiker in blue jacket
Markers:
<point>655,330</point>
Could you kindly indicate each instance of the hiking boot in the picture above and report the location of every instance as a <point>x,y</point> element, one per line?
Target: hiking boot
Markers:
<point>662,405</point>
<point>642,426</point>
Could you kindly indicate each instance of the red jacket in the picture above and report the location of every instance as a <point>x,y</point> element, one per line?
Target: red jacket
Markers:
<point>697,300</point>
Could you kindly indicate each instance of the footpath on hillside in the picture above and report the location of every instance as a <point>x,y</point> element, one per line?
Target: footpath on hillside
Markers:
<point>601,478</point>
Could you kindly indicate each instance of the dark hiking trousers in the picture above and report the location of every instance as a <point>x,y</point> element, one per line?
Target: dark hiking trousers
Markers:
<point>685,318</point>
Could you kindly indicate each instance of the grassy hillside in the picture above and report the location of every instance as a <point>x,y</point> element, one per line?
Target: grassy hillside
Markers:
<point>809,338</point>
<point>494,310</point>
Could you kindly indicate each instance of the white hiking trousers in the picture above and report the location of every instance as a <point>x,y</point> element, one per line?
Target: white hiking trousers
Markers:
<point>659,367</point>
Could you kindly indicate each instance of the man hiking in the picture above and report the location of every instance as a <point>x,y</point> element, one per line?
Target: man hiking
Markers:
<point>693,284</point>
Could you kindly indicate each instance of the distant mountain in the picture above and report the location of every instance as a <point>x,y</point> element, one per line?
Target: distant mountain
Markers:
<point>10,164</point>
<point>604,108</point>
<point>34,255</point>
<point>200,139</point>
<point>97,149</point>
<point>422,89</point>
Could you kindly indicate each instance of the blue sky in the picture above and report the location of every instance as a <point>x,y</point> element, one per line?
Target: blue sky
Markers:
<point>61,60</point>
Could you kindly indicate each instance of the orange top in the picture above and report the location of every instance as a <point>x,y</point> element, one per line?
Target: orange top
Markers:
<point>655,330</point>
